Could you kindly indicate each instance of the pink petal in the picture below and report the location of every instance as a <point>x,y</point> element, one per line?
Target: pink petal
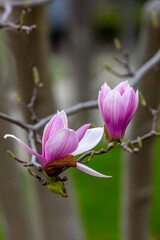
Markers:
<point>91,138</point>
<point>90,171</point>
<point>105,89</point>
<point>58,122</point>
<point>135,104</point>
<point>130,100</point>
<point>122,87</point>
<point>113,109</point>
<point>81,131</point>
<point>42,160</point>
<point>61,144</point>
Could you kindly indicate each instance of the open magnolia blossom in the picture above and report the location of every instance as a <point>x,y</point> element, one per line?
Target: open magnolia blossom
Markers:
<point>60,144</point>
<point>117,108</point>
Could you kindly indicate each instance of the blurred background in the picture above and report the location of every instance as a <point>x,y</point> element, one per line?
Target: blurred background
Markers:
<point>71,45</point>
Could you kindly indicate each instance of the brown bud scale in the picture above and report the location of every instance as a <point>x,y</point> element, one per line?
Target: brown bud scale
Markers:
<point>52,167</point>
<point>108,138</point>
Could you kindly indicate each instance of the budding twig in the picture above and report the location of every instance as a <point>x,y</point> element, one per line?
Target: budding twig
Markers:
<point>151,133</point>
<point>4,24</point>
<point>89,153</point>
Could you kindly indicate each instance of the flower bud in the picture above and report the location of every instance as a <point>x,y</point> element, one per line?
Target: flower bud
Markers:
<point>117,108</point>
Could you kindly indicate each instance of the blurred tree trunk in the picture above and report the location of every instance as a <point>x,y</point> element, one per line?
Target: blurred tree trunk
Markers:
<point>15,218</point>
<point>28,51</point>
<point>128,22</point>
<point>138,167</point>
<point>81,49</point>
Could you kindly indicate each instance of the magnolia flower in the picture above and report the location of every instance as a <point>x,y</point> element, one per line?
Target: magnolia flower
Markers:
<point>60,144</point>
<point>117,108</point>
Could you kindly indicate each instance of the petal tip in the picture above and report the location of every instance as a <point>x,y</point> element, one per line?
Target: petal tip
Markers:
<point>7,135</point>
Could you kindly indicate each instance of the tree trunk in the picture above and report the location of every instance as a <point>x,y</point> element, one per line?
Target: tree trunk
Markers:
<point>138,167</point>
<point>57,217</point>
<point>81,51</point>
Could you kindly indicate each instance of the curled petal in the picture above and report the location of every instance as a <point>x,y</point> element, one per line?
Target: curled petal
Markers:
<point>122,87</point>
<point>81,131</point>
<point>105,89</point>
<point>61,144</point>
<point>42,160</point>
<point>57,122</point>
<point>91,138</point>
<point>90,171</point>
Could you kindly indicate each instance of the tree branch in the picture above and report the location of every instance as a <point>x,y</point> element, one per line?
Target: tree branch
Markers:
<point>145,68</point>
<point>16,3</point>
<point>17,27</point>
<point>69,111</point>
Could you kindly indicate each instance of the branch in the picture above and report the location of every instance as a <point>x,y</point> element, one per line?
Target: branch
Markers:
<point>7,12</point>
<point>129,146</point>
<point>89,153</point>
<point>17,27</point>
<point>4,24</point>
<point>30,105</point>
<point>69,111</point>
<point>84,105</point>
<point>16,121</point>
<point>16,3</point>
<point>145,68</point>
<point>33,146</point>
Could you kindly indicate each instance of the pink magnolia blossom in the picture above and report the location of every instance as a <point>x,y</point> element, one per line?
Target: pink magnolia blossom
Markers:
<point>59,141</point>
<point>117,108</point>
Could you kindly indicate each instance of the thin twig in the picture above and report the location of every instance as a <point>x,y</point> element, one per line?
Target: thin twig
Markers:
<point>33,146</point>
<point>151,133</point>
<point>17,27</point>
<point>30,105</point>
<point>89,153</point>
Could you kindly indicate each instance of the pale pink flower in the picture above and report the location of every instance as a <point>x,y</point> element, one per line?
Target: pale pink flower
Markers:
<point>59,141</point>
<point>117,108</point>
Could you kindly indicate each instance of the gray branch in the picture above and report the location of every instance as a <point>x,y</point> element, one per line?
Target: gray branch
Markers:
<point>7,12</point>
<point>145,68</point>
<point>84,105</point>
<point>20,3</point>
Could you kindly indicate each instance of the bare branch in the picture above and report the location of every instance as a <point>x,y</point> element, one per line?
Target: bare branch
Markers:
<point>69,111</point>
<point>7,12</point>
<point>17,27</point>
<point>33,146</point>
<point>15,121</point>
<point>19,3</point>
<point>151,133</point>
<point>145,68</point>
<point>89,153</point>
<point>30,105</point>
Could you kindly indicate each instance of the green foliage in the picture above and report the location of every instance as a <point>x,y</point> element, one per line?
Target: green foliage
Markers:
<point>99,199</point>
<point>155,209</point>
<point>2,229</point>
